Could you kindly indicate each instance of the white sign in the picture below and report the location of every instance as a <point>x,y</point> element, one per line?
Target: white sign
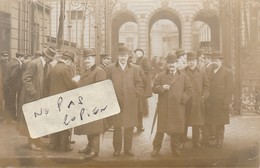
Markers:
<point>70,109</point>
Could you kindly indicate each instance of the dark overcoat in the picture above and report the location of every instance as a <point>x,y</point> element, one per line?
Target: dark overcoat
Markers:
<point>93,75</point>
<point>220,96</point>
<point>171,103</point>
<point>194,110</point>
<point>128,87</point>
<point>33,80</point>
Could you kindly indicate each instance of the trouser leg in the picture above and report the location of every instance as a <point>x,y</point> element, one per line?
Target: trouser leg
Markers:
<point>175,141</point>
<point>128,138</point>
<point>184,136</point>
<point>157,141</point>
<point>95,142</point>
<point>220,129</point>
<point>195,135</point>
<point>64,141</point>
<point>117,139</point>
<point>140,120</point>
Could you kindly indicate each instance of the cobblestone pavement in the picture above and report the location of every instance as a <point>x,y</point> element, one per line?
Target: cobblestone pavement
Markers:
<point>240,149</point>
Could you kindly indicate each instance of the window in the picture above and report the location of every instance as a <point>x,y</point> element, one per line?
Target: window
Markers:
<point>76,15</point>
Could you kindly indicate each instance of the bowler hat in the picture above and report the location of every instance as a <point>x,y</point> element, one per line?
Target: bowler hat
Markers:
<point>180,52</point>
<point>123,49</point>
<point>88,52</point>
<point>139,49</point>
<point>20,54</point>
<point>171,57</point>
<point>104,55</point>
<point>50,52</point>
<point>69,54</point>
<point>217,55</point>
<point>192,55</point>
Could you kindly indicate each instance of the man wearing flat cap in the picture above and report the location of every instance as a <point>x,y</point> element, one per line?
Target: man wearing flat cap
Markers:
<point>194,110</point>
<point>13,85</point>
<point>105,60</point>
<point>182,58</point>
<point>220,97</point>
<point>174,90</point>
<point>128,87</point>
<point>34,88</point>
<point>92,74</point>
<point>60,78</point>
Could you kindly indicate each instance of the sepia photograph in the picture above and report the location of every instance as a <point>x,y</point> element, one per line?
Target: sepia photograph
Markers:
<point>129,83</point>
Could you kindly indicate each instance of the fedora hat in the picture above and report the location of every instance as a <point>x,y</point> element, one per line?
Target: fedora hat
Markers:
<point>69,54</point>
<point>180,52</point>
<point>104,55</point>
<point>171,57</point>
<point>123,49</point>
<point>192,55</point>
<point>217,55</point>
<point>50,52</point>
<point>88,52</point>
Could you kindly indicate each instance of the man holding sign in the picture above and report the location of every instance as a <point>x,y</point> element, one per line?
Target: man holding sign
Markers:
<point>92,74</point>
<point>128,86</point>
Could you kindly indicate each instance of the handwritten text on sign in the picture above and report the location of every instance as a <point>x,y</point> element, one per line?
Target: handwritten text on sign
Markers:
<point>70,109</point>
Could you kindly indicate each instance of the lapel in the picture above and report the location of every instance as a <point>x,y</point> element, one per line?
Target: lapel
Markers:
<point>87,72</point>
<point>172,78</point>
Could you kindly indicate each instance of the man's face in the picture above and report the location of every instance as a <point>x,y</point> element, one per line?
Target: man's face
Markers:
<point>106,60</point>
<point>21,59</point>
<point>192,63</point>
<point>139,54</point>
<point>216,63</point>
<point>123,57</point>
<point>89,61</point>
<point>201,62</point>
<point>172,65</point>
<point>182,61</point>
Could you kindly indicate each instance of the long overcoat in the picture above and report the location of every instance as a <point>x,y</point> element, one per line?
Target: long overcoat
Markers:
<point>128,87</point>
<point>220,96</point>
<point>33,80</point>
<point>92,75</point>
<point>194,110</point>
<point>171,103</point>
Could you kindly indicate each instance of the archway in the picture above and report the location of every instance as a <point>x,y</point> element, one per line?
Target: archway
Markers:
<point>209,18</point>
<point>118,20</point>
<point>162,14</point>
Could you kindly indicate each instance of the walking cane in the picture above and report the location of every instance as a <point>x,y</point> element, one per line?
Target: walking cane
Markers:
<point>154,120</point>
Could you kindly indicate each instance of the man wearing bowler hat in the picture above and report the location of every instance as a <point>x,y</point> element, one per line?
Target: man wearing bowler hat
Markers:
<point>128,87</point>
<point>13,85</point>
<point>220,97</point>
<point>91,74</point>
<point>34,85</point>
<point>194,110</point>
<point>60,78</point>
<point>182,58</point>
<point>174,90</point>
<point>105,60</point>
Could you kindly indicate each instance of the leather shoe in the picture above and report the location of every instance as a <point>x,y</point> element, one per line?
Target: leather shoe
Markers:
<point>129,153</point>
<point>86,151</point>
<point>155,153</point>
<point>116,153</point>
<point>34,147</point>
<point>91,155</point>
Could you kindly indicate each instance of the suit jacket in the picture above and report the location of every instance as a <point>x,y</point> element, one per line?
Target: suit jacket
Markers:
<point>93,75</point>
<point>128,87</point>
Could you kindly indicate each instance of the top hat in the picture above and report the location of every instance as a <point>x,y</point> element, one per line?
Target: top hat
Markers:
<point>180,52</point>
<point>139,49</point>
<point>88,52</point>
<point>123,49</point>
<point>69,54</point>
<point>171,57</point>
<point>4,53</point>
<point>20,54</point>
<point>192,55</point>
<point>50,52</point>
<point>217,55</point>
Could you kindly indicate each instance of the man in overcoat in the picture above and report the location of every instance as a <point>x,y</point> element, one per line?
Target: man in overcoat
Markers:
<point>220,97</point>
<point>144,63</point>
<point>174,90</point>
<point>33,88</point>
<point>105,60</point>
<point>60,78</point>
<point>182,58</point>
<point>128,87</point>
<point>194,111</point>
<point>13,85</point>
<point>92,74</point>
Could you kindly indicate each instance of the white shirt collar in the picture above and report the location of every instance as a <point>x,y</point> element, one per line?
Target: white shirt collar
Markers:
<point>122,65</point>
<point>20,62</point>
<point>43,62</point>
<point>216,70</point>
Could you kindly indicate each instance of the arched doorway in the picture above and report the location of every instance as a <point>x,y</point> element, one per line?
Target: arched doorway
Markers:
<point>164,14</point>
<point>118,20</point>
<point>209,27</point>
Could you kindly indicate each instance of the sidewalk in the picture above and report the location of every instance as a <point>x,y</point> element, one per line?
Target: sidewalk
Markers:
<point>240,149</point>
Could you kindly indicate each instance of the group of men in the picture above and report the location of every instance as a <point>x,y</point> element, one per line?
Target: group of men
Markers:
<point>192,95</point>
<point>188,95</point>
